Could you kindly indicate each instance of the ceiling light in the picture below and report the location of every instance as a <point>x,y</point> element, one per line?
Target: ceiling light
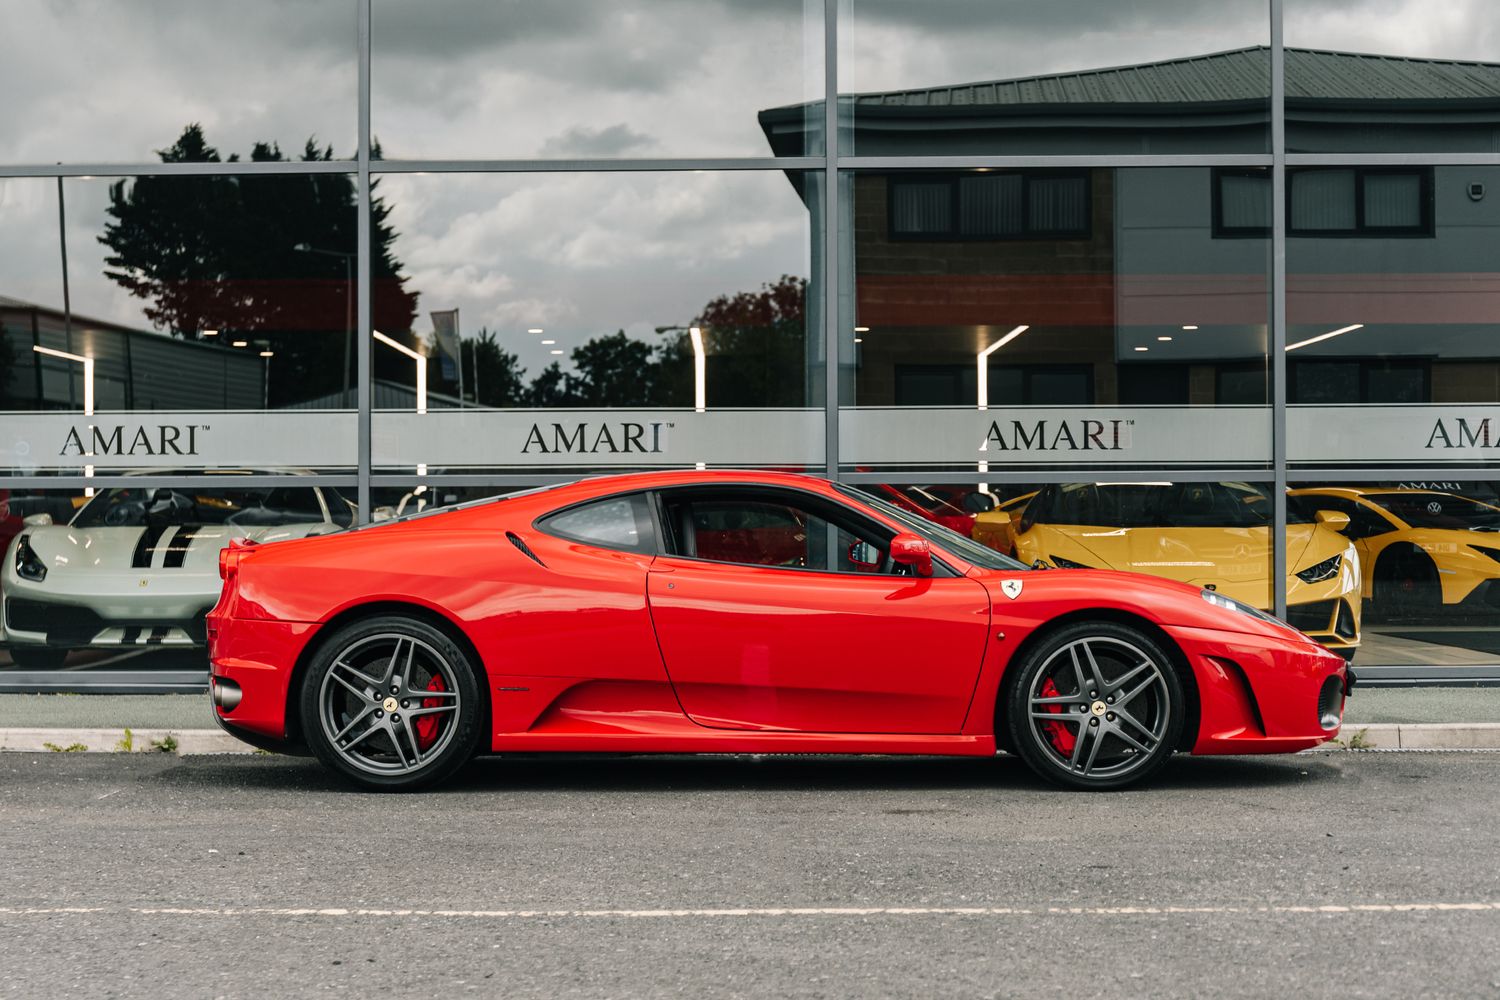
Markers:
<point>536,329</point>
<point>240,343</point>
<point>210,333</point>
<point>861,329</point>
<point>1164,339</point>
<point>1324,336</point>
<point>556,352</point>
<point>859,340</point>
<point>548,343</point>
<point>267,354</point>
<point>1189,326</point>
<point>1143,348</point>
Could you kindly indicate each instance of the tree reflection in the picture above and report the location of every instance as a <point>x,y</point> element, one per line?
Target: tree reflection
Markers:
<point>221,253</point>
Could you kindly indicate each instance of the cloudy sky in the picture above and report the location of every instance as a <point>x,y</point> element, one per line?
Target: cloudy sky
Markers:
<point>576,255</point>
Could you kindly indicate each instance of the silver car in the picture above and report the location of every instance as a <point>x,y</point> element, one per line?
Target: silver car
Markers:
<point>139,565</point>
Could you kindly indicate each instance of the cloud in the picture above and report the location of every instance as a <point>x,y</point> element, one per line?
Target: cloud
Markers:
<point>612,140</point>
<point>585,254</point>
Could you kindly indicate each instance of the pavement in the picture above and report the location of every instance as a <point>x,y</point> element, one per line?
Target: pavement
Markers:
<point>1339,875</point>
<point>1375,718</point>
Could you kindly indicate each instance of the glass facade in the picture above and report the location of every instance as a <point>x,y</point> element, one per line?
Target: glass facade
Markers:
<point>1210,291</point>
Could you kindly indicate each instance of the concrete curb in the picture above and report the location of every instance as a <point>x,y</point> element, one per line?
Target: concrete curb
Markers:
<point>1421,736</point>
<point>183,742</point>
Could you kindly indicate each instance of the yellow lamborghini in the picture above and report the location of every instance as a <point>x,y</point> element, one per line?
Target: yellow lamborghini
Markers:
<point>1214,535</point>
<point>1422,549</point>
<point>996,528</point>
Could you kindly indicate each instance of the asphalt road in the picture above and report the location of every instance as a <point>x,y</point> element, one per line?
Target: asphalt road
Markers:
<point>1328,875</point>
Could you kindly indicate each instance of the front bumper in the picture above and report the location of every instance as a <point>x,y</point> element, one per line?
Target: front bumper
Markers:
<point>1261,694</point>
<point>61,625</point>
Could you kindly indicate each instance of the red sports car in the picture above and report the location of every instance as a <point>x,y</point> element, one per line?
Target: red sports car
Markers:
<point>731,612</point>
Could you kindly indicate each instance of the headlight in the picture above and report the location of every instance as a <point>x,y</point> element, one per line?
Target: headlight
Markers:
<point>1062,563</point>
<point>28,566</point>
<point>1325,570</point>
<point>1218,600</point>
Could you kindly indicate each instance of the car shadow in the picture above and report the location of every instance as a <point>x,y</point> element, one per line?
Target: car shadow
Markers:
<point>719,773</point>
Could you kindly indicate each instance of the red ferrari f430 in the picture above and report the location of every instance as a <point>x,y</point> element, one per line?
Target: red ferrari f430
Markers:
<point>730,612</point>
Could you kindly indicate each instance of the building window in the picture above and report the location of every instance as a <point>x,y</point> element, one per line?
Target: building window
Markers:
<point>1327,202</point>
<point>1360,380</point>
<point>990,205</point>
<point>1242,203</point>
<point>1010,385</point>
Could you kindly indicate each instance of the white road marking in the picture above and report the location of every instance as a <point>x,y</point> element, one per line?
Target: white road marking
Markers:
<point>775,911</point>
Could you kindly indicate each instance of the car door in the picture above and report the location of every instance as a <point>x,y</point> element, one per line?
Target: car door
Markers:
<point>779,609</point>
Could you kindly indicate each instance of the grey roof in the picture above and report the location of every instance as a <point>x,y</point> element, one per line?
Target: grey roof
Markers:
<point>1238,75</point>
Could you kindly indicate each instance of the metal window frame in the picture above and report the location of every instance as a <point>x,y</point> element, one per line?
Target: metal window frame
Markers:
<point>832,168</point>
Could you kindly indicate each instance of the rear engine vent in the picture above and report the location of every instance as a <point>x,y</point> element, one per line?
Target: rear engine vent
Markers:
<point>1331,703</point>
<point>515,540</point>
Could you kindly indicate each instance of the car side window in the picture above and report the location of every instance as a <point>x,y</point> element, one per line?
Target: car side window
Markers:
<point>622,522</point>
<point>1367,523</point>
<point>765,530</point>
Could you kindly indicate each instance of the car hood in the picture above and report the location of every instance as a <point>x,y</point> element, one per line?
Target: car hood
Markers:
<point>1044,594</point>
<point>1194,555</point>
<point>168,548</point>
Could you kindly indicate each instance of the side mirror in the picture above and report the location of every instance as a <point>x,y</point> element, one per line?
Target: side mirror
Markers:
<point>912,550</point>
<point>37,520</point>
<point>1335,519</point>
<point>978,503</point>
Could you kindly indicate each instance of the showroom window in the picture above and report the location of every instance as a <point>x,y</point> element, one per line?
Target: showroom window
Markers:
<point>989,206</point>
<point>610,235</point>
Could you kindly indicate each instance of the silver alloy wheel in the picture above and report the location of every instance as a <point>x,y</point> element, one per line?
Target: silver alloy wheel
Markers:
<point>374,695</point>
<point>1108,710</point>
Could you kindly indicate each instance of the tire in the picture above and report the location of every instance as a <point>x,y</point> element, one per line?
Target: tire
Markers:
<point>37,657</point>
<point>369,692</point>
<point>1407,586</point>
<point>1119,704</point>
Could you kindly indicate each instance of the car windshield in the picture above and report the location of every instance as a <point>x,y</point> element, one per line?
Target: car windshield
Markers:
<point>1160,505</point>
<point>139,506</point>
<point>965,548</point>
<point>1439,510</point>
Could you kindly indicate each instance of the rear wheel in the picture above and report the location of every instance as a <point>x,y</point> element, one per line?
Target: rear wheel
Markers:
<point>392,703</point>
<point>1097,705</point>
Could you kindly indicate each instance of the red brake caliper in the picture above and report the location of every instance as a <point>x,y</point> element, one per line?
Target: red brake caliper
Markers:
<point>1057,733</point>
<point>427,725</point>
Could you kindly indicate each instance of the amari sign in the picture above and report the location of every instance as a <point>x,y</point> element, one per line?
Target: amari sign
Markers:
<point>1147,437</point>
<point>115,442</point>
<point>1418,433</point>
<point>1054,436</point>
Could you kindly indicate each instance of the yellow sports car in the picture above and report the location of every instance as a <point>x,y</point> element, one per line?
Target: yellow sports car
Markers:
<point>1213,535</point>
<point>997,528</point>
<point>1422,549</point>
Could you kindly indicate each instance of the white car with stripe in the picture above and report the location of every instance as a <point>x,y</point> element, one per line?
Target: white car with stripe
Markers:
<point>139,566</point>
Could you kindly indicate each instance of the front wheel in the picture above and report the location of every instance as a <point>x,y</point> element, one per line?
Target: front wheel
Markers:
<point>392,704</point>
<point>1096,705</point>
